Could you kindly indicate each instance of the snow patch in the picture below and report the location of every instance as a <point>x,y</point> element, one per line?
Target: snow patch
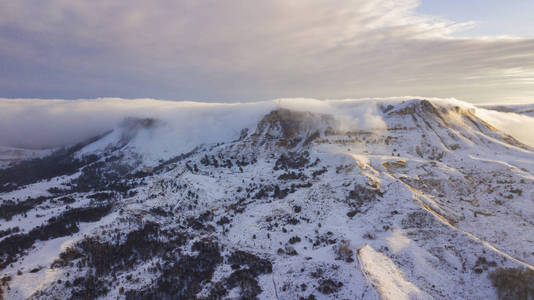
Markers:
<point>386,276</point>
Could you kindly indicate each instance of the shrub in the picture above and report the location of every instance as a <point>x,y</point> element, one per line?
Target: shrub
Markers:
<point>343,251</point>
<point>513,283</point>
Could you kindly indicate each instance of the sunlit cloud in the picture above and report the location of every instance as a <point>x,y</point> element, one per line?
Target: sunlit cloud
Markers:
<point>39,123</point>
<point>250,50</point>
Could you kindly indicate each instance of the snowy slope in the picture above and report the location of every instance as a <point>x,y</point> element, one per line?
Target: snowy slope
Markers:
<point>374,199</point>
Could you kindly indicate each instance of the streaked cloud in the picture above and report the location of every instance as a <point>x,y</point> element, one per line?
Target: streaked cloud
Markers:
<point>250,50</point>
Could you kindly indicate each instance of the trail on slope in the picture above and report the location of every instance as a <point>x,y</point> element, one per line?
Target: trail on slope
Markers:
<point>417,197</point>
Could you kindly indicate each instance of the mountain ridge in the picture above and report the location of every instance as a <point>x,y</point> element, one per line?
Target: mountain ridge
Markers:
<point>302,204</point>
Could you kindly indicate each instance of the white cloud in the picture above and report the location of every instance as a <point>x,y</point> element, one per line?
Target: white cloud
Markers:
<point>518,125</point>
<point>38,123</point>
<point>250,50</point>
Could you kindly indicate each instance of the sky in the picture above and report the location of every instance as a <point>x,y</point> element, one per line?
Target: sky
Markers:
<point>242,50</point>
<point>490,17</point>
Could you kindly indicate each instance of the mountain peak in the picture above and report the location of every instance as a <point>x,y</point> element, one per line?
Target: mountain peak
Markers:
<point>407,197</point>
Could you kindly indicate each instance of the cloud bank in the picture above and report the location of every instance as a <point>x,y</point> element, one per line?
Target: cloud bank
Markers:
<point>518,125</point>
<point>251,50</point>
<point>38,123</point>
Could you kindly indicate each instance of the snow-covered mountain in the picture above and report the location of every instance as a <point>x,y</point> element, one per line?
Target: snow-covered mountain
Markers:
<point>377,199</point>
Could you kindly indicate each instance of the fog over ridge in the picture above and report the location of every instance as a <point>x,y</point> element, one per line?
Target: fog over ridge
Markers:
<point>39,123</point>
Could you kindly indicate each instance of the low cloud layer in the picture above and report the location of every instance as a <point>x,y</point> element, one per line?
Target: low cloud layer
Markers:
<point>38,123</point>
<point>518,125</point>
<point>252,50</point>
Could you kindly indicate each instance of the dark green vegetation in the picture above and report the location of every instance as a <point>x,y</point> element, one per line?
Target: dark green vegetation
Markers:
<point>60,226</point>
<point>61,162</point>
<point>180,268</point>
<point>10,208</point>
<point>513,283</point>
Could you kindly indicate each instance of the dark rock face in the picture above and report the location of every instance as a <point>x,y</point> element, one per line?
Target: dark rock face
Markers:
<point>290,129</point>
<point>290,122</point>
